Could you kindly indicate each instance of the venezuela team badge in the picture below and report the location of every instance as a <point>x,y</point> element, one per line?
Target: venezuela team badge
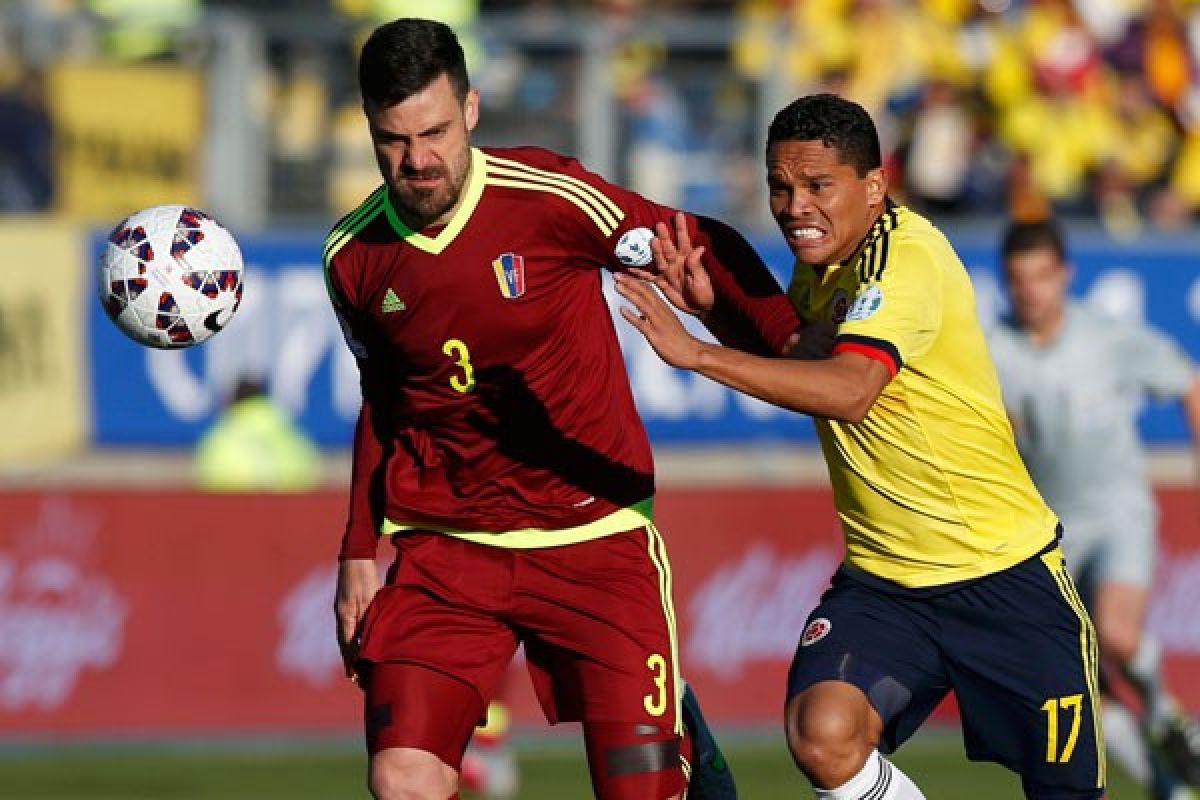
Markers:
<point>510,274</point>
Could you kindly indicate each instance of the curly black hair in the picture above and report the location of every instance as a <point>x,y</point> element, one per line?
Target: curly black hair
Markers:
<point>837,122</point>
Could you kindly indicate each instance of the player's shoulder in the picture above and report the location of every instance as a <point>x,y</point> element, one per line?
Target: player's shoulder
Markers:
<point>917,246</point>
<point>548,175</point>
<point>345,230</point>
<point>894,248</point>
<point>532,157</point>
<point>916,236</point>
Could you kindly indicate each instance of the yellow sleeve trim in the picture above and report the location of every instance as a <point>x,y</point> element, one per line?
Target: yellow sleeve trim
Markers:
<point>534,173</point>
<point>605,227</point>
<point>606,214</point>
<point>625,519</point>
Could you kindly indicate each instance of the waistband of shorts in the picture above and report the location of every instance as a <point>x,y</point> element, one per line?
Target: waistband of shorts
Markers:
<point>857,575</point>
<point>629,518</point>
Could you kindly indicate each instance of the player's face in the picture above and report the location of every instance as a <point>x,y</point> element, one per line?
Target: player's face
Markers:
<point>423,147</point>
<point>821,204</point>
<point>1037,284</point>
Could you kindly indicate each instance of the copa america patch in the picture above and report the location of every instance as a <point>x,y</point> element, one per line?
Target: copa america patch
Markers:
<point>633,249</point>
<point>817,630</point>
<point>866,304</point>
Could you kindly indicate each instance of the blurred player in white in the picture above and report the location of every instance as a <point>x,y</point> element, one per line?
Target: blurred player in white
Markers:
<point>1072,383</point>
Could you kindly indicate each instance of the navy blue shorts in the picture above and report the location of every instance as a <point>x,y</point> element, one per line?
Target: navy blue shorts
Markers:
<point>1016,647</point>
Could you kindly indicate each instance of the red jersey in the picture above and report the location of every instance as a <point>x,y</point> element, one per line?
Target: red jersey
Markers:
<point>495,396</point>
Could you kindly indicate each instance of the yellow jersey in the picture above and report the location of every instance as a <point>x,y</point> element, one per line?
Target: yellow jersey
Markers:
<point>929,486</point>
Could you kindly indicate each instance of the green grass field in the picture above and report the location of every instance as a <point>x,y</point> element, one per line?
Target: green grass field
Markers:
<point>550,770</point>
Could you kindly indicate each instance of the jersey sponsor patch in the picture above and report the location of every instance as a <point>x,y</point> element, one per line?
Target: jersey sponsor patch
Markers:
<point>867,303</point>
<point>817,630</point>
<point>633,250</point>
<point>510,274</point>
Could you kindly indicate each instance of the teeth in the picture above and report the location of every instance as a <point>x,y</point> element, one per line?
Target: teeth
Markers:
<point>806,233</point>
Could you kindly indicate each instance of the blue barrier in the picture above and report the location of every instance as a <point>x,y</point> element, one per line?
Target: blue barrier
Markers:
<point>286,335</point>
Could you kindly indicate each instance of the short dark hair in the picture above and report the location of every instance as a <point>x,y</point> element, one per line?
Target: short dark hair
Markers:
<point>1023,236</point>
<point>836,122</point>
<point>402,57</point>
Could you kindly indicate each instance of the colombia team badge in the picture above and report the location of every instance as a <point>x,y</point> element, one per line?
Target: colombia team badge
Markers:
<point>510,274</point>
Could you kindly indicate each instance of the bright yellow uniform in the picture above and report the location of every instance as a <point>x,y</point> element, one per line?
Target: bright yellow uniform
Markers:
<point>929,487</point>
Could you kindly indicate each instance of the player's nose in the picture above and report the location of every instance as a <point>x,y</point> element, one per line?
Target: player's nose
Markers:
<point>418,156</point>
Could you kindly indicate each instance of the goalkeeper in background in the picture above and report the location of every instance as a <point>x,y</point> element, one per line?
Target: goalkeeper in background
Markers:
<point>1071,382</point>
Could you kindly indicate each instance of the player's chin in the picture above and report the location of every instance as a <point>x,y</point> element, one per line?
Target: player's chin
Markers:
<point>810,252</point>
<point>425,203</point>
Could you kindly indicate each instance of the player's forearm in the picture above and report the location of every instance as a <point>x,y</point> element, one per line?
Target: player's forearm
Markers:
<point>751,313</point>
<point>361,537</point>
<point>832,388</point>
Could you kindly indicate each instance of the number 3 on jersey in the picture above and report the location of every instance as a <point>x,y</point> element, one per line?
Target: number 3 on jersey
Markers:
<point>457,349</point>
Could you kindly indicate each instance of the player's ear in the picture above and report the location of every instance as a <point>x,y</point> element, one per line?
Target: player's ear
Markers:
<point>877,186</point>
<point>471,109</point>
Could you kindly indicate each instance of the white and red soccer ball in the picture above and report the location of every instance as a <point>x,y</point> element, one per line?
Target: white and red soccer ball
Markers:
<point>170,276</point>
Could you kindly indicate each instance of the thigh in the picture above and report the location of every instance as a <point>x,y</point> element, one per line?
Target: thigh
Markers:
<point>1022,657</point>
<point>407,705</point>
<point>442,611</point>
<point>881,643</point>
<point>599,630</point>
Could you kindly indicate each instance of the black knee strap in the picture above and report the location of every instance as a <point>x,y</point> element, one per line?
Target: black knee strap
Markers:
<point>645,757</point>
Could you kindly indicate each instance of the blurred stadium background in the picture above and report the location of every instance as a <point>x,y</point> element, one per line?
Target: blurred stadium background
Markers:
<point>155,636</point>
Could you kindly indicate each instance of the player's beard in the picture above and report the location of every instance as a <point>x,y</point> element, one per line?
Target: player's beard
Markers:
<point>422,207</point>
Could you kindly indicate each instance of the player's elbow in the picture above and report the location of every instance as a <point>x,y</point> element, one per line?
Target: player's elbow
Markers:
<point>853,406</point>
<point>851,415</point>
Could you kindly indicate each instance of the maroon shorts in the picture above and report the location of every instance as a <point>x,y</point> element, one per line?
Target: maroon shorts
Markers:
<point>595,617</point>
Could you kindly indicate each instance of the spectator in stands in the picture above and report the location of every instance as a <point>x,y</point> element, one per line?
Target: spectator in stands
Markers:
<point>137,30</point>
<point>255,447</point>
<point>26,145</point>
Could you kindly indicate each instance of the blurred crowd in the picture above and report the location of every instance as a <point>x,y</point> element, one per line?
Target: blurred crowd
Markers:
<point>1080,107</point>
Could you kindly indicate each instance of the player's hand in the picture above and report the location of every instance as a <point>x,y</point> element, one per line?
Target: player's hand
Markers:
<point>679,272</point>
<point>812,342</point>
<point>357,583</point>
<point>658,323</point>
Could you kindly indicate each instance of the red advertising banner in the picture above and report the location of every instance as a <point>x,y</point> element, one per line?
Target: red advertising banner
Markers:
<point>144,613</point>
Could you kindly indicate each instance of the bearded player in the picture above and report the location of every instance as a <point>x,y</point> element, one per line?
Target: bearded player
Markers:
<point>498,445</point>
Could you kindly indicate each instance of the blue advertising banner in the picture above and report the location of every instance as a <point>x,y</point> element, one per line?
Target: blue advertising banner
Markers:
<point>285,335</point>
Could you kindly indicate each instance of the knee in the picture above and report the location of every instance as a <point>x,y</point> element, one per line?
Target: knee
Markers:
<point>404,774</point>
<point>829,734</point>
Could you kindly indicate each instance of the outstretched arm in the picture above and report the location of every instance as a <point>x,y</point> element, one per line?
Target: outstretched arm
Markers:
<point>707,269</point>
<point>843,387</point>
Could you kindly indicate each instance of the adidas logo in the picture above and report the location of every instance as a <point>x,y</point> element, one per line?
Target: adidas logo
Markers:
<point>392,302</point>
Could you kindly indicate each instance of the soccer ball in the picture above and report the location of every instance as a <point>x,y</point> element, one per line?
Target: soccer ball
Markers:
<point>170,276</point>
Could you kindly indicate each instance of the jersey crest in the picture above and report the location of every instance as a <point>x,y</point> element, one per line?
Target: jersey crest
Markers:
<point>510,274</point>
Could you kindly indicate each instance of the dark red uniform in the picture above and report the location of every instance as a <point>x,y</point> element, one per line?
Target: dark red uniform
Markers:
<point>497,411</point>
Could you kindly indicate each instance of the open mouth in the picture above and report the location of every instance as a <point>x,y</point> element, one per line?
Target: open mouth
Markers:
<point>804,235</point>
